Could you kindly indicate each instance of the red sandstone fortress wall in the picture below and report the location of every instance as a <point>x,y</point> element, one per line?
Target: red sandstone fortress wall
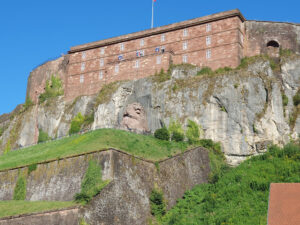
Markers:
<point>217,40</point>
<point>213,41</point>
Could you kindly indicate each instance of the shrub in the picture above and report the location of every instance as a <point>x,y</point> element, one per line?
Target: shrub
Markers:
<point>76,124</point>
<point>162,134</point>
<point>43,136</point>
<point>177,136</point>
<point>53,89</point>
<point>157,203</point>
<point>193,132</point>
<point>176,131</point>
<point>92,183</point>
<point>162,76</point>
<point>20,189</point>
<point>296,98</point>
<point>205,70</point>
<point>285,100</point>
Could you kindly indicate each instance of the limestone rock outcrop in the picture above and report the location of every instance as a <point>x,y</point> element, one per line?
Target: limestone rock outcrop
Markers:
<point>243,109</point>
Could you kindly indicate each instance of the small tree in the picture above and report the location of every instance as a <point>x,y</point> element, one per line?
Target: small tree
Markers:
<point>176,131</point>
<point>43,136</point>
<point>157,203</point>
<point>177,136</point>
<point>193,132</point>
<point>162,134</point>
<point>76,123</point>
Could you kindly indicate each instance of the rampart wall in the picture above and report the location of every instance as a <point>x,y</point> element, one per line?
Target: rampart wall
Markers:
<point>126,197</point>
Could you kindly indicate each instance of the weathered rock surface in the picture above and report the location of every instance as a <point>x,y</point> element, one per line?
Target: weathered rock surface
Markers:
<point>239,109</point>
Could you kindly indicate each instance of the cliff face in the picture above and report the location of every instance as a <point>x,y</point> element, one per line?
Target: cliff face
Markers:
<point>243,109</point>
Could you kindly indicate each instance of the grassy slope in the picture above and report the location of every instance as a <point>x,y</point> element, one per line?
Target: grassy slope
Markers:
<point>240,195</point>
<point>139,145</point>
<point>11,208</point>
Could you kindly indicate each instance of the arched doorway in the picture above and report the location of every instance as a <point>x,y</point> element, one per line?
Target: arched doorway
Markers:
<point>273,48</point>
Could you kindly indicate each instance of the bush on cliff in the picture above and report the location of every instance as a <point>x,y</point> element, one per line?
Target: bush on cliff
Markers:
<point>43,136</point>
<point>240,195</point>
<point>162,134</point>
<point>53,89</point>
<point>176,131</point>
<point>193,132</point>
<point>157,203</point>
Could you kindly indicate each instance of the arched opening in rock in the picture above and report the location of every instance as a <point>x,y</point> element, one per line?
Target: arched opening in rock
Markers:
<point>273,44</point>
<point>273,49</point>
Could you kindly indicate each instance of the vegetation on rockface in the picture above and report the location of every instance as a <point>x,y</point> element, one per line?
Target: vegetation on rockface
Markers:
<point>83,222</point>
<point>162,76</point>
<point>193,132</point>
<point>208,71</point>
<point>296,98</point>
<point>245,62</point>
<point>13,208</point>
<point>240,195</point>
<point>28,103</point>
<point>176,131</point>
<point>142,146</point>
<point>79,121</point>
<point>7,147</point>
<point>20,188</point>
<point>43,136</point>
<point>92,183</point>
<point>162,134</point>
<point>31,168</point>
<point>285,100</point>
<point>157,203</point>
<point>107,92</point>
<point>53,89</point>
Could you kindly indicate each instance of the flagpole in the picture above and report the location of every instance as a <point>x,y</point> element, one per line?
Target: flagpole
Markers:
<point>152,14</point>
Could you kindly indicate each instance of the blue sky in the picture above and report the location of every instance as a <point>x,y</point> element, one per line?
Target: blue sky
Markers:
<point>33,31</point>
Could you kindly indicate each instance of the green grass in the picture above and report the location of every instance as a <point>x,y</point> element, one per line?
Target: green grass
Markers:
<point>139,145</point>
<point>12,208</point>
<point>239,195</point>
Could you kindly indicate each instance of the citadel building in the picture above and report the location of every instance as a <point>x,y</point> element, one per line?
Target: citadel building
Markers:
<point>218,40</point>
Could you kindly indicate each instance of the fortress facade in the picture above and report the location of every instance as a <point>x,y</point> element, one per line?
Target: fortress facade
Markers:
<point>218,40</point>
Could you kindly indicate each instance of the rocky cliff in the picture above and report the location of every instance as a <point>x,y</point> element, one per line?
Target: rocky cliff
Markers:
<point>241,108</point>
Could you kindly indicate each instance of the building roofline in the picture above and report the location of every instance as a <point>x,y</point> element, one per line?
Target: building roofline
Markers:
<point>266,21</point>
<point>159,30</point>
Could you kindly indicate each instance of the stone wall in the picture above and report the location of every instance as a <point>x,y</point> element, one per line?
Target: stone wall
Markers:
<point>126,198</point>
<point>59,217</point>
<point>259,33</point>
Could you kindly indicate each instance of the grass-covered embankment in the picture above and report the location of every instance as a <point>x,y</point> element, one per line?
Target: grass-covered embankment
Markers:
<point>238,195</point>
<point>12,208</point>
<point>143,146</point>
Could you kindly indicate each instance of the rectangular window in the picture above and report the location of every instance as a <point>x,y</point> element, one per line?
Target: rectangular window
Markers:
<point>208,53</point>
<point>102,51</point>
<point>101,62</point>
<point>158,60</point>
<point>184,59</point>
<point>101,75</point>
<point>208,27</point>
<point>116,68</point>
<point>82,66</point>
<point>163,38</point>
<point>81,79</point>
<point>121,47</point>
<point>142,42</point>
<point>137,64</point>
<point>83,55</point>
<point>208,40</point>
<point>185,45</point>
<point>185,33</point>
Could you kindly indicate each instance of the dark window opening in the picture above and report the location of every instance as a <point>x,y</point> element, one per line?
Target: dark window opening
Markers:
<point>273,44</point>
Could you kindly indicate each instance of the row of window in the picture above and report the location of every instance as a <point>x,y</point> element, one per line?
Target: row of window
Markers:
<point>141,53</point>
<point>162,39</point>
<point>137,64</point>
